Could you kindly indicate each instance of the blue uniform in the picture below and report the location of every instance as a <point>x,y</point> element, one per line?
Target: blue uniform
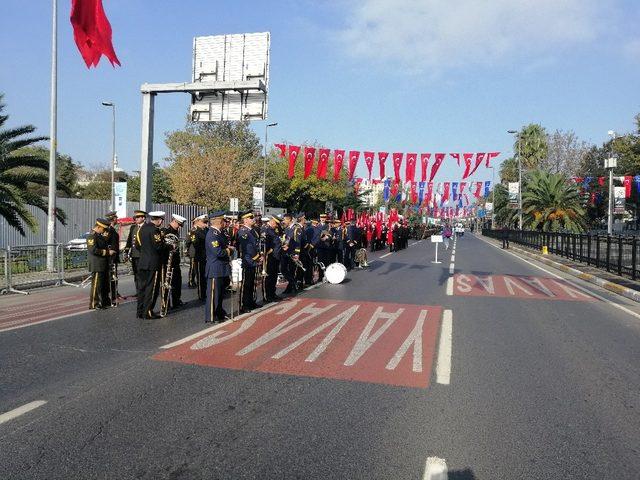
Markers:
<point>249,251</point>
<point>218,270</point>
<point>351,240</point>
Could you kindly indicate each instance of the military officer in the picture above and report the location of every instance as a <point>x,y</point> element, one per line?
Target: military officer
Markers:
<point>250,254</point>
<point>273,250</point>
<point>202,223</point>
<point>177,221</point>
<point>113,238</point>
<point>218,268</point>
<point>291,251</point>
<point>351,243</point>
<point>338,241</point>
<point>149,241</point>
<point>99,252</point>
<point>191,253</point>
<point>130,248</point>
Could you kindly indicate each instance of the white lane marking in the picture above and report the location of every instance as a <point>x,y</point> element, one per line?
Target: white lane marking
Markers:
<point>451,268</point>
<point>453,257</point>
<point>216,327</point>
<point>386,255</point>
<point>443,367</point>
<point>593,294</point>
<point>82,312</point>
<point>16,412</point>
<point>435,469</point>
<point>450,286</point>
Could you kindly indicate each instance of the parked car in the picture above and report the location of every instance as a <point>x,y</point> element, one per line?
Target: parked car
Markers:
<point>79,243</point>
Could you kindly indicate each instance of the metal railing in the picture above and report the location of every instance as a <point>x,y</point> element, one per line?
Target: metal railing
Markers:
<point>614,253</point>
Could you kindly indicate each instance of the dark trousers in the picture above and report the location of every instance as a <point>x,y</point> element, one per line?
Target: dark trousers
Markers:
<point>349,255</point>
<point>215,294</point>
<point>192,273</point>
<point>113,283</point>
<point>269,282</point>
<point>134,268</point>
<point>288,269</point>
<point>307,261</point>
<point>201,278</point>
<point>248,288</point>
<point>99,296</point>
<point>505,242</point>
<point>149,284</point>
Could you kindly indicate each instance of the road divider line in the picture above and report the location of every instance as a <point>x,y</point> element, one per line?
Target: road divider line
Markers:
<point>16,412</point>
<point>443,367</point>
<point>450,286</point>
<point>386,255</point>
<point>453,257</point>
<point>580,287</point>
<point>452,268</point>
<point>435,469</point>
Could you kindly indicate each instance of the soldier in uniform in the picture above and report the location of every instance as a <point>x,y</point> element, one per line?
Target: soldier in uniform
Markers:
<point>323,242</point>
<point>218,268</point>
<point>309,234</point>
<point>201,255</point>
<point>291,251</point>
<point>351,241</point>
<point>250,254</point>
<point>273,250</point>
<point>151,246</point>
<point>176,276</point>
<point>191,253</point>
<point>131,250</point>
<point>338,243</point>
<point>98,253</point>
<point>113,239</point>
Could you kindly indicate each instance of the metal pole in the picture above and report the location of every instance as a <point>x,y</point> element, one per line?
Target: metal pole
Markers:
<point>53,144</point>
<point>264,171</point>
<point>520,182</point>
<point>493,196</point>
<point>611,200</point>
<point>146,154</point>
<point>113,157</point>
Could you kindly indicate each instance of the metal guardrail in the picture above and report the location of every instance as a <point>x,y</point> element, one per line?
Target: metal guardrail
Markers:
<point>614,253</point>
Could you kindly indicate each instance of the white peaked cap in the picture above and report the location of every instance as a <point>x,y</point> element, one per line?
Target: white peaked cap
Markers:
<point>178,218</point>
<point>157,213</point>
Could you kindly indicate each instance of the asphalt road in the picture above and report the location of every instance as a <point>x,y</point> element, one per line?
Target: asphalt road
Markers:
<point>491,366</point>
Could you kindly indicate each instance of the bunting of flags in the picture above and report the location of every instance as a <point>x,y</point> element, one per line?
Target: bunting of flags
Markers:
<point>587,186</point>
<point>471,161</point>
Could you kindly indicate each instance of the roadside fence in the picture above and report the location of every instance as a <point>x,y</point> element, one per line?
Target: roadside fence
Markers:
<point>614,253</point>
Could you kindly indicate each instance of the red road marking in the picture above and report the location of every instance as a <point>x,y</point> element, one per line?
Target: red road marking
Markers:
<point>517,286</point>
<point>361,341</point>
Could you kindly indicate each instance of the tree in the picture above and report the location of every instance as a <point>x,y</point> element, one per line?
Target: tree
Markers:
<point>210,163</point>
<point>551,203</point>
<point>99,188</point>
<point>531,145</point>
<point>565,153</point>
<point>504,214</point>
<point>509,170</point>
<point>66,172</point>
<point>19,171</point>
<point>161,188</point>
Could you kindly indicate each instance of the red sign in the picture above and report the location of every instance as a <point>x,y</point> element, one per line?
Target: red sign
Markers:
<point>538,288</point>
<point>358,341</point>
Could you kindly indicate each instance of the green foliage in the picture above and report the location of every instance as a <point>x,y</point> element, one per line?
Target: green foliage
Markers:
<point>503,213</point>
<point>66,172</point>
<point>161,189</point>
<point>551,203</point>
<point>532,146</point>
<point>19,172</point>
<point>509,170</point>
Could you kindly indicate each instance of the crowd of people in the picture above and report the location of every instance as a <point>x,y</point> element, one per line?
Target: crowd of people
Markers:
<point>286,247</point>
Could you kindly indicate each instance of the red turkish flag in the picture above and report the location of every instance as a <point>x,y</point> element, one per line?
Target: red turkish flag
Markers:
<point>282,147</point>
<point>628,181</point>
<point>445,193</point>
<point>424,163</point>
<point>368,160</point>
<point>478,190</point>
<point>338,161</point>
<point>429,194</point>
<point>410,168</point>
<point>462,185</point>
<point>354,155</point>
<point>491,156</point>
<point>457,157</point>
<point>414,193</point>
<point>397,162</point>
<point>601,181</point>
<point>436,165</point>
<point>309,160</point>
<point>356,185</point>
<point>394,189</point>
<point>382,159</point>
<point>92,32</point>
<point>467,164</point>
<point>479,160</point>
<point>323,162</point>
<point>294,151</point>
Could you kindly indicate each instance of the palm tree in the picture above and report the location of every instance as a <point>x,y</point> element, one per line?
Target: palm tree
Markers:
<point>504,214</point>
<point>551,203</point>
<point>19,171</point>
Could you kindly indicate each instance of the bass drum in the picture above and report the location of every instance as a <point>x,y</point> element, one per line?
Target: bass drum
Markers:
<point>335,273</point>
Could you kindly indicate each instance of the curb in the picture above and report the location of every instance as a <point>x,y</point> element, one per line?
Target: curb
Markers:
<point>629,293</point>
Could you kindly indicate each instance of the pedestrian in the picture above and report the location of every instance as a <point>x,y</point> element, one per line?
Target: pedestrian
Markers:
<point>446,236</point>
<point>98,255</point>
<point>505,237</point>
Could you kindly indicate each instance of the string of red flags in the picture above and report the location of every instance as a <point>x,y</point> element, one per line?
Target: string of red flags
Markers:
<point>592,187</point>
<point>471,162</point>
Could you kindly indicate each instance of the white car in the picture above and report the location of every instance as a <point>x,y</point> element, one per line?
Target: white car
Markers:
<point>79,243</point>
<point>458,229</point>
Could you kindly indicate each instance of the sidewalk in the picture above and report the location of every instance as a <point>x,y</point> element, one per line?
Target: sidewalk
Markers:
<point>607,280</point>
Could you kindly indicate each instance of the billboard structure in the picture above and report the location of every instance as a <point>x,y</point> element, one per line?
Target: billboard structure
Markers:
<point>229,81</point>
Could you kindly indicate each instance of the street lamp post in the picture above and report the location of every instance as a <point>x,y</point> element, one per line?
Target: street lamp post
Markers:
<point>610,164</point>
<point>493,195</point>
<point>114,161</point>
<point>519,177</point>
<point>264,167</point>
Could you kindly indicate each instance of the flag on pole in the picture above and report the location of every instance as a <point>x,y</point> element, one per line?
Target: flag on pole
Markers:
<point>338,161</point>
<point>424,163</point>
<point>294,150</point>
<point>368,160</point>
<point>309,160</point>
<point>323,163</point>
<point>92,32</point>
<point>382,159</point>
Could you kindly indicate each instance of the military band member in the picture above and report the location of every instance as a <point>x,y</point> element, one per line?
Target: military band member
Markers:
<point>250,254</point>
<point>113,238</point>
<point>202,227</point>
<point>291,251</point>
<point>191,253</point>
<point>130,248</point>
<point>338,241</point>
<point>149,241</point>
<point>273,250</point>
<point>218,268</point>
<point>351,243</point>
<point>98,253</point>
<point>176,276</point>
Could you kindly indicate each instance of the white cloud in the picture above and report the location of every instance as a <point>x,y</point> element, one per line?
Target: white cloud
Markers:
<point>437,35</point>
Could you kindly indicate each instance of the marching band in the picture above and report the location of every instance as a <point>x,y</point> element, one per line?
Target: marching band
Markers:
<point>263,251</point>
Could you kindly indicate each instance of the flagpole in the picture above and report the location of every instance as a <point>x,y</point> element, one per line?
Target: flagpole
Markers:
<point>53,141</point>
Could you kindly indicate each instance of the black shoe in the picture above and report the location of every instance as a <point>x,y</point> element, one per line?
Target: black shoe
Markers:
<point>256,305</point>
<point>244,310</point>
<point>178,304</point>
<point>152,316</point>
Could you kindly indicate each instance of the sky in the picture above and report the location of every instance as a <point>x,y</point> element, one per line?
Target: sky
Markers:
<point>382,75</point>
